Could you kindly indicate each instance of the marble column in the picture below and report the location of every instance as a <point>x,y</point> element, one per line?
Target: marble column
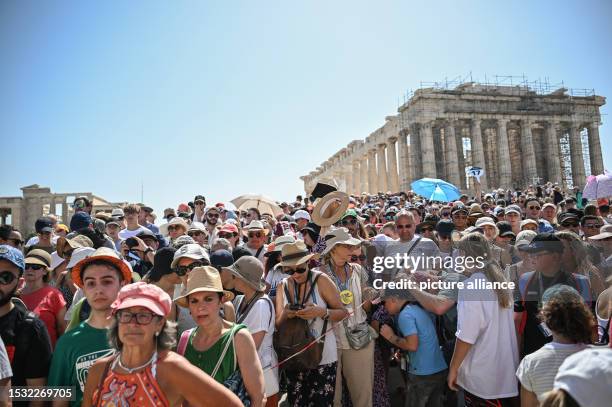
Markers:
<point>552,153</point>
<point>427,150</point>
<point>356,178</point>
<point>596,158</point>
<point>415,153</point>
<point>503,155</point>
<point>392,165</point>
<point>382,168</point>
<point>348,178</point>
<point>528,157</point>
<point>478,157</point>
<point>372,175</point>
<point>578,173</point>
<point>404,163</point>
<point>450,147</point>
<point>363,173</point>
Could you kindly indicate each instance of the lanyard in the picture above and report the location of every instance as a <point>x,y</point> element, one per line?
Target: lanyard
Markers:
<point>341,286</point>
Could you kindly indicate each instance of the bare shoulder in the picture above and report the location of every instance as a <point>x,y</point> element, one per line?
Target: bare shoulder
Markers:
<point>172,360</point>
<point>242,337</point>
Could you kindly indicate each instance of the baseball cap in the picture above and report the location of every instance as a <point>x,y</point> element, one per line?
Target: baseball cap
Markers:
<point>191,251</point>
<point>80,220</point>
<point>301,214</point>
<point>229,228</point>
<point>585,376</point>
<point>513,209</point>
<point>199,198</point>
<point>9,253</point>
<point>565,216</point>
<point>529,222</point>
<point>350,212</point>
<point>524,238</point>
<point>141,294</point>
<point>505,229</point>
<point>221,258</point>
<point>485,220</point>
<point>44,224</point>
<point>459,208</point>
<point>544,242</point>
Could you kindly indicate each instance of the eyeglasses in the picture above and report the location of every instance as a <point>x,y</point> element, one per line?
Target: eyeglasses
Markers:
<point>533,208</point>
<point>226,235</point>
<point>195,233</point>
<point>591,226</point>
<point>351,221</point>
<point>255,234</point>
<point>16,242</point>
<point>6,277</point>
<point>213,215</point>
<point>142,318</point>
<point>182,270</point>
<point>407,226</point>
<point>444,237</point>
<point>172,228</point>
<point>361,257</point>
<point>293,271</point>
<point>35,267</point>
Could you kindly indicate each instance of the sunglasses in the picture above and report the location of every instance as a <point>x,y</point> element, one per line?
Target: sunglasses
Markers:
<point>256,234</point>
<point>460,217</point>
<point>533,208</point>
<point>592,226</point>
<point>6,277</point>
<point>173,228</point>
<point>198,202</point>
<point>16,242</point>
<point>408,226</point>
<point>445,214</point>
<point>427,229</point>
<point>226,235</point>
<point>569,224</point>
<point>351,221</point>
<point>196,233</point>
<point>361,257</point>
<point>35,267</point>
<point>444,237</point>
<point>182,270</point>
<point>142,318</point>
<point>290,272</point>
<point>213,215</point>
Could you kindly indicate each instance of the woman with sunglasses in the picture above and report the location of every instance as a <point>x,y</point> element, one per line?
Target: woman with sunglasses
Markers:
<point>312,297</point>
<point>355,362</point>
<point>45,301</point>
<point>143,371</point>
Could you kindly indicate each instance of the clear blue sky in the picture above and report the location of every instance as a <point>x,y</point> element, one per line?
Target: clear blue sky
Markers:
<point>230,97</point>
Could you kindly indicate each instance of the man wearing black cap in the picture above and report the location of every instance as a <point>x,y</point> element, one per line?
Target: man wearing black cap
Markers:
<point>459,215</point>
<point>546,250</point>
<point>569,221</point>
<point>142,218</point>
<point>199,204</point>
<point>44,231</point>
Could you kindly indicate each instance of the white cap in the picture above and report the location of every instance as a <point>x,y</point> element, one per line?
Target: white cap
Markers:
<point>485,220</point>
<point>56,260</point>
<point>79,254</point>
<point>191,251</point>
<point>197,226</point>
<point>529,221</point>
<point>586,377</point>
<point>117,212</point>
<point>301,214</point>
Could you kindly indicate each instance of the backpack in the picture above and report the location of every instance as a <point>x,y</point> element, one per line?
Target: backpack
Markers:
<point>296,347</point>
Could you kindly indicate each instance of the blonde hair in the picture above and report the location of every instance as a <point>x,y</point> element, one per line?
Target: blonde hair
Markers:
<point>476,245</point>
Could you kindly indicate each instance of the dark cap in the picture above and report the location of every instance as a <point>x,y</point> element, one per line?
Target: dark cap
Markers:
<point>43,224</point>
<point>221,258</point>
<point>240,251</point>
<point>162,263</point>
<point>565,216</point>
<point>199,198</point>
<point>544,242</point>
<point>505,229</point>
<point>445,227</point>
<point>146,233</point>
<point>80,220</point>
<point>459,208</point>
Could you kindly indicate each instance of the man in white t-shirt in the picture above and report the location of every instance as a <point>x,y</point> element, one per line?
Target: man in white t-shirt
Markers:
<point>5,375</point>
<point>257,235</point>
<point>133,228</point>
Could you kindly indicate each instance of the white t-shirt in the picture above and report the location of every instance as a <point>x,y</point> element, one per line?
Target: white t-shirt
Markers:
<point>488,370</point>
<point>125,233</point>
<point>274,277</point>
<point>537,370</point>
<point>263,251</point>
<point>5,363</point>
<point>261,318</point>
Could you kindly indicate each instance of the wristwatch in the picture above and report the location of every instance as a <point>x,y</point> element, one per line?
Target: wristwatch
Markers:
<point>326,316</point>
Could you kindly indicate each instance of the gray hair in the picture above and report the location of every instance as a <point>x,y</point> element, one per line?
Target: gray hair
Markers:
<point>165,340</point>
<point>221,244</point>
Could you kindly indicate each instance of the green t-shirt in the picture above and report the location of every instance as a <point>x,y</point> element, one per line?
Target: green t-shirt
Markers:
<point>207,360</point>
<point>75,352</point>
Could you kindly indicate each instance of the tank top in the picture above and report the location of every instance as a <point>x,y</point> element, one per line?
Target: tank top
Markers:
<point>207,360</point>
<point>330,354</point>
<point>130,389</point>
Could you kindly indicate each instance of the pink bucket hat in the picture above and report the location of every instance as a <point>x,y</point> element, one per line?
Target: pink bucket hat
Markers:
<point>141,294</point>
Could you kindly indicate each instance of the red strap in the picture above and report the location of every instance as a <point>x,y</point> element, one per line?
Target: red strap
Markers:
<point>182,345</point>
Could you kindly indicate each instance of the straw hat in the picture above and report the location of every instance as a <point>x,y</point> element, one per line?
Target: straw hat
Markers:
<point>202,279</point>
<point>250,270</point>
<point>339,236</point>
<point>64,246</point>
<point>294,254</point>
<point>39,257</point>
<point>174,221</point>
<point>255,225</point>
<point>105,254</point>
<point>330,208</point>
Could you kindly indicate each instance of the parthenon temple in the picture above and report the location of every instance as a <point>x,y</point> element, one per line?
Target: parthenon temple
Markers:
<point>519,135</point>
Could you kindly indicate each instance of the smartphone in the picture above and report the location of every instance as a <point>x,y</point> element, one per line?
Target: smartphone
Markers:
<point>295,307</point>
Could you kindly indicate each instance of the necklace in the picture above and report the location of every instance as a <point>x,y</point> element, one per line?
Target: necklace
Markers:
<point>133,369</point>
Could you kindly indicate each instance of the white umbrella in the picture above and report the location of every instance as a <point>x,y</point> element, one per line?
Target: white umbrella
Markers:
<point>263,203</point>
<point>599,186</point>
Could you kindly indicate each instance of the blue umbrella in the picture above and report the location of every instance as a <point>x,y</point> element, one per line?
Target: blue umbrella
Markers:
<point>436,189</point>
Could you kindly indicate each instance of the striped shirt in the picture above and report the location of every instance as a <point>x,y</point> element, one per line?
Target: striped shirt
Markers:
<point>537,370</point>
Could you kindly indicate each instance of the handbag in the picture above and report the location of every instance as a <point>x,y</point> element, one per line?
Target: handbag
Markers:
<point>359,336</point>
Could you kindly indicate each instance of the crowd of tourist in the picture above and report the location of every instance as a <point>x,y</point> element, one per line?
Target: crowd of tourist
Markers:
<point>211,305</point>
